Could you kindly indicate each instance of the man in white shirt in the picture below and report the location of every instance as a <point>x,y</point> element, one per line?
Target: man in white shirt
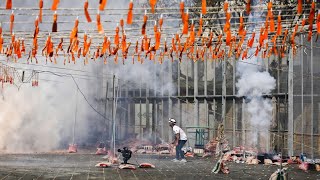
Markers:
<point>179,140</point>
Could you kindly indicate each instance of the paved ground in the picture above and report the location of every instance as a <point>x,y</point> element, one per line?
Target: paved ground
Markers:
<point>81,166</point>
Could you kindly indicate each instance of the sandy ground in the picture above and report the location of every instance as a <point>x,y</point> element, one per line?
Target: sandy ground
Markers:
<point>81,166</point>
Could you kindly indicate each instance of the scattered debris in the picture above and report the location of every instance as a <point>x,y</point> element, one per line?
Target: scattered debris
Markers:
<point>146,165</point>
<point>127,166</point>
<point>267,161</point>
<point>103,164</point>
<point>189,154</point>
<point>220,167</point>
<point>101,151</point>
<point>72,148</point>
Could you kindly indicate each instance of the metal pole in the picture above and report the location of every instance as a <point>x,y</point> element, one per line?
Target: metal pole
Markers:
<point>128,122</point>
<point>234,120</point>
<point>162,94</point>
<point>187,79</point>
<point>224,91</point>
<point>290,104</point>
<point>179,76</point>
<point>155,121</point>
<point>140,113</point>
<point>148,128</point>
<point>243,123</point>
<point>113,115</point>
<point>214,100</point>
<point>206,92</point>
<point>278,105</point>
<point>105,111</point>
<point>302,96</point>
<point>195,93</point>
<point>312,102</point>
<point>75,119</point>
<point>179,94</point>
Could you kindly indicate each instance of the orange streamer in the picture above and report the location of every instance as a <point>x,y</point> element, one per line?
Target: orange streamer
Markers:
<point>55,25</point>
<point>272,28</point>
<point>102,4</point>
<point>279,27</point>
<point>11,22</point>
<point>225,6</point>
<point>248,8</point>
<point>204,7</point>
<point>182,9</point>
<point>55,5</point>
<point>299,8</point>
<point>74,32</point>
<point>186,23</point>
<point>152,5</point>
<point>9,4</point>
<point>318,23</point>
<point>1,43</point>
<point>144,25</point>
<point>40,10</point>
<point>86,12</point>
<point>311,15</point>
<point>99,25</point>
<point>116,37</point>
<point>129,17</point>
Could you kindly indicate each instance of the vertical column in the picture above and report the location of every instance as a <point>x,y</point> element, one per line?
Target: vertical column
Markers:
<point>312,102</point>
<point>290,105</point>
<point>214,99</point>
<point>179,94</point>
<point>196,92</point>
<point>148,124</point>
<point>140,113</point>
<point>243,122</point>
<point>206,93</point>
<point>279,125</point>
<point>187,81</point>
<point>128,121</point>
<point>106,120</point>
<point>234,120</point>
<point>156,93</point>
<point>302,95</point>
<point>170,100</point>
<point>162,106</point>
<point>187,91</point>
<point>224,91</point>
<point>154,121</point>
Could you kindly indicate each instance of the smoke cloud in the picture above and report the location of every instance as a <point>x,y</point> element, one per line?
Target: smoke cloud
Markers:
<point>40,119</point>
<point>255,81</point>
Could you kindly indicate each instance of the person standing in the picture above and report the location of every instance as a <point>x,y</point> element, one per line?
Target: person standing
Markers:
<point>179,140</point>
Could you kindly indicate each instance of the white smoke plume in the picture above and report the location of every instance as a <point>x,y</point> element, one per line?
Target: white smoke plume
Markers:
<point>38,119</point>
<point>254,82</point>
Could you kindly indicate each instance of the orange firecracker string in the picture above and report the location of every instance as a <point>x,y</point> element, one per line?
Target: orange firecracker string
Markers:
<point>86,12</point>
<point>130,14</point>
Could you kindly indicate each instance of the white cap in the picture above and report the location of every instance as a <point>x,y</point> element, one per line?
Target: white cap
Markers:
<point>171,120</point>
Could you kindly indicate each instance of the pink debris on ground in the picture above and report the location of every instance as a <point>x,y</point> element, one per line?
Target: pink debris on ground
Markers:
<point>189,154</point>
<point>146,165</point>
<point>127,166</point>
<point>101,151</point>
<point>103,164</point>
<point>72,148</point>
<point>304,166</point>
